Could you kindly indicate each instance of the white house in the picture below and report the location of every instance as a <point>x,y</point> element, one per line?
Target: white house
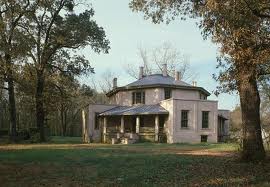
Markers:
<point>157,108</point>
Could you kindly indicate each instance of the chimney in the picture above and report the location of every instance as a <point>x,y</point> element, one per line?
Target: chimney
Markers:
<point>141,72</point>
<point>164,70</point>
<point>177,75</point>
<point>194,83</point>
<point>114,82</point>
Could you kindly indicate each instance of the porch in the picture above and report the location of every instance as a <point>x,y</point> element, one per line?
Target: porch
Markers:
<point>132,124</point>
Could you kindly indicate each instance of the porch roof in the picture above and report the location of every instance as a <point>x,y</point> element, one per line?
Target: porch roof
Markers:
<point>222,117</point>
<point>135,110</point>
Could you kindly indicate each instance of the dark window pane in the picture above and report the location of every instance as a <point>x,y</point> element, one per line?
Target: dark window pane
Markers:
<point>204,138</point>
<point>138,97</point>
<point>96,121</point>
<point>133,98</point>
<point>167,93</point>
<point>184,118</point>
<point>205,119</point>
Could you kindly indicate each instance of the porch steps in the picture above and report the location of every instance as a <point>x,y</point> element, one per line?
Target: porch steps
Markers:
<point>125,139</point>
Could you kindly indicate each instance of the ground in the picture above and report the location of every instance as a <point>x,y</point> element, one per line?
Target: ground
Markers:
<point>67,162</point>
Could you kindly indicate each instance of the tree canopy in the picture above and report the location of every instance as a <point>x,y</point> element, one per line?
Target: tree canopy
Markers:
<point>241,30</point>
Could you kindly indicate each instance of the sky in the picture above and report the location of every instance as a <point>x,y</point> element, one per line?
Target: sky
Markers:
<point>128,30</point>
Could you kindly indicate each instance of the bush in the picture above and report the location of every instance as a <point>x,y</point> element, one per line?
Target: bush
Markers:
<point>35,138</point>
<point>4,132</point>
<point>35,135</point>
<point>163,138</point>
<point>23,134</point>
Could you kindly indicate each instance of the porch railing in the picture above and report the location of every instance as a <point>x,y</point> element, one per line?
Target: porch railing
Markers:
<point>147,130</point>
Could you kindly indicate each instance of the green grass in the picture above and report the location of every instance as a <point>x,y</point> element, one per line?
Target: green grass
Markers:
<point>65,140</point>
<point>66,162</point>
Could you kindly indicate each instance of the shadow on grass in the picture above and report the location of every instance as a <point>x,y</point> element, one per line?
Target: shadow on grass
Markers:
<point>123,165</point>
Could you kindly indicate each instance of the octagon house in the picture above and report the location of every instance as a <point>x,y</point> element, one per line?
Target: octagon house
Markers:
<point>157,108</point>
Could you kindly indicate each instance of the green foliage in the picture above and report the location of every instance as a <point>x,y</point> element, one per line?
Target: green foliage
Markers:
<point>43,39</point>
<point>241,30</point>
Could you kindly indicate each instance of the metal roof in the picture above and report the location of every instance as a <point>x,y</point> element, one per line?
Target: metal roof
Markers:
<point>223,117</point>
<point>135,110</point>
<point>158,79</point>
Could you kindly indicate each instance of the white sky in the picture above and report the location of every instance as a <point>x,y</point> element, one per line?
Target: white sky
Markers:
<point>127,31</point>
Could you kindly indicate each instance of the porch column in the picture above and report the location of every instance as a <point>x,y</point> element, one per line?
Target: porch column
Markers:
<point>122,128</point>
<point>104,129</point>
<point>156,127</point>
<point>137,124</point>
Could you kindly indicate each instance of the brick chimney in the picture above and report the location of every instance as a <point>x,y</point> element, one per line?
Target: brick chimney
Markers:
<point>114,82</point>
<point>164,70</point>
<point>141,72</point>
<point>177,75</point>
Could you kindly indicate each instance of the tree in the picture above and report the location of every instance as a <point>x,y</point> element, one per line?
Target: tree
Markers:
<point>64,97</point>
<point>106,83</point>
<point>243,35</point>
<point>152,61</point>
<point>54,30</point>
<point>11,48</point>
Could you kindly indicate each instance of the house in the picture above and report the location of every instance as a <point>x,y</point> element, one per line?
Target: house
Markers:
<point>157,108</point>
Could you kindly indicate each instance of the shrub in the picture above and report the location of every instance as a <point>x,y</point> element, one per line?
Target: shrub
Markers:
<point>4,132</point>
<point>23,134</point>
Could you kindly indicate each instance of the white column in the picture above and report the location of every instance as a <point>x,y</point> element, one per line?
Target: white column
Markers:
<point>83,126</point>
<point>156,127</point>
<point>137,124</point>
<point>104,129</point>
<point>122,128</point>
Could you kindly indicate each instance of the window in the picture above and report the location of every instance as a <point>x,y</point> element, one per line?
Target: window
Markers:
<point>205,117</point>
<point>167,93</point>
<point>184,118</point>
<point>204,138</point>
<point>138,97</point>
<point>96,121</point>
<point>203,97</point>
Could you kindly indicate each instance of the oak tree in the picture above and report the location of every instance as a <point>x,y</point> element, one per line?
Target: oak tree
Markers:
<point>241,29</point>
<point>54,27</point>
<point>11,49</point>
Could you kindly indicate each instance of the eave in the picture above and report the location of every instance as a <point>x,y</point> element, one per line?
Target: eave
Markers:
<point>127,88</point>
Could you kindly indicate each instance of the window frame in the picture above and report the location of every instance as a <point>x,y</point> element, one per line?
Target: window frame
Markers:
<point>138,97</point>
<point>204,138</point>
<point>167,93</point>
<point>184,118</point>
<point>205,122</point>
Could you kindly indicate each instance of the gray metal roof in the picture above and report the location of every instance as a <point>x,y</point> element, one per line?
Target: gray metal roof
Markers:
<point>135,110</point>
<point>157,79</point>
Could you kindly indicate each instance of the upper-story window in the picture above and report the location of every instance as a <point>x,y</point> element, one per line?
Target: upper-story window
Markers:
<point>203,97</point>
<point>138,97</point>
<point>205,119</point>
<point>167,93</point>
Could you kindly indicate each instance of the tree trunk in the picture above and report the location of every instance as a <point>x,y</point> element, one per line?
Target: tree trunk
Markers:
<point>11,99</point>
<point>62,120</point>
<point>40,113</point>
<point>1,105</point>
<point>65,122</point>
<point>250,105</point>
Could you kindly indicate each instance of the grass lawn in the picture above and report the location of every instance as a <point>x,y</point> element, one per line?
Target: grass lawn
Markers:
<point>67,162</point>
